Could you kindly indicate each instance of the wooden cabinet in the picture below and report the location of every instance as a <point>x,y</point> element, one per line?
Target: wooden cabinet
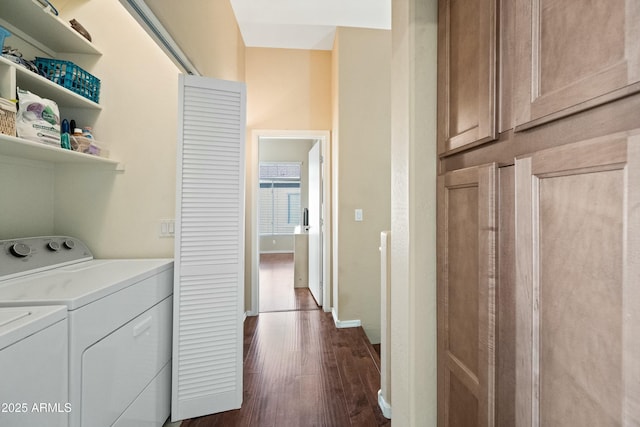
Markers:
<point>467,32</point>
<point>578,300</point>
<point>573,55</point>
<point>466,296</point>
<point>566,237</point>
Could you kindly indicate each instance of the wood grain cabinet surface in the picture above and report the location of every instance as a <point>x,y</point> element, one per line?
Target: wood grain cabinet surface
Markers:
<point>467,297</point>
<point>467,45</point>
<point>578,284</point>
<point>539,258</point>
<point>573,55</point>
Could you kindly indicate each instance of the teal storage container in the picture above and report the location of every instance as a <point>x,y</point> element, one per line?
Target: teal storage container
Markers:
<point>69,75</point>
<point>3,34</point>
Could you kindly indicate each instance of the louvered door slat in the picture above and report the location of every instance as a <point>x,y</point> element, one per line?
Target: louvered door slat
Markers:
<point>209,252</point>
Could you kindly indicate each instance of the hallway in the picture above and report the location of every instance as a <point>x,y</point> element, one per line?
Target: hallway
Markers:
<point>276,285</point>
<point>300,371</point>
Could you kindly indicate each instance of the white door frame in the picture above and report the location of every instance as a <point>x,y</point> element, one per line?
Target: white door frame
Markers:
<point>325,140</point>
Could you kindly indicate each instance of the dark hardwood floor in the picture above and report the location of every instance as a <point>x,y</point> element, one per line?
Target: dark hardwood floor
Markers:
<point>276,285</point>
<point>300,371</point>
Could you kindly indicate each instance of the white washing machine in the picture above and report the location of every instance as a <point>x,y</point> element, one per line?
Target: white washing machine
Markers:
<point>33,366</point>
<point>119,315</point>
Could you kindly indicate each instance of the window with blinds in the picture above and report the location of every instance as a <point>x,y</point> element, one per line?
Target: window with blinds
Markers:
<point>279,198</point>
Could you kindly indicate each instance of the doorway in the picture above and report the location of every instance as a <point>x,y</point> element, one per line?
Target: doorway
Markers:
<point>276,285</point>
<point>283,202</point>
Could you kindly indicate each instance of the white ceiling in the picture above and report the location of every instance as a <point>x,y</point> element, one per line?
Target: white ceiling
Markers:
<point>306,24</point>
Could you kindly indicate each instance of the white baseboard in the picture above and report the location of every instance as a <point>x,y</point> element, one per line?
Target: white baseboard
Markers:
<point>344,323</point>
<point>384,406</point>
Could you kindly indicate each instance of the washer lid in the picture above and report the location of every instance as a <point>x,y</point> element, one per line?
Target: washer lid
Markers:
<point>18,323</point>
<point>79,284</point>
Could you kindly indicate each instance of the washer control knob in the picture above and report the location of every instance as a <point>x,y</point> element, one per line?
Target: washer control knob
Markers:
<point>69,244</point>
<point>20,250</point>
<point>53,246</point>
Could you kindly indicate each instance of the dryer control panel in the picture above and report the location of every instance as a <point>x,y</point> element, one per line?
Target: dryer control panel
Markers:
<point>34,254</point>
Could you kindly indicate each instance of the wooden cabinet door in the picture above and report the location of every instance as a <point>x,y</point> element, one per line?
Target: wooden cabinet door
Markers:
<point>573,55</point>
<point>466,297</point>
<point>467,39</point>
<point>578,284</point>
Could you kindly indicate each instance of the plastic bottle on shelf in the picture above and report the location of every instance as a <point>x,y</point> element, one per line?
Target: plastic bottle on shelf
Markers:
<point>64,138</point>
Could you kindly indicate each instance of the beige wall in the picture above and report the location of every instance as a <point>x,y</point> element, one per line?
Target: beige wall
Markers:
<point>413,213</point>
<point>288,89</point>
<point>362,173</point>
<point>208,34</point>
<point>26,197</point>
<point>118,213</point>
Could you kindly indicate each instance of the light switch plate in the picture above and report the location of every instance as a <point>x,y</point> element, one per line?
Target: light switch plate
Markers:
<point>358,214</point>
<point>167,228</point>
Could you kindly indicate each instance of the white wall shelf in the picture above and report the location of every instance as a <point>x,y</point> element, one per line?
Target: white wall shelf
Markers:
<point>29,17</point>
<point>47,89</point>
<point>25,149</point>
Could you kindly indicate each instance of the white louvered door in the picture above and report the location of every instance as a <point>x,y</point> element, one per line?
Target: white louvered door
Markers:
<point>209,252</point>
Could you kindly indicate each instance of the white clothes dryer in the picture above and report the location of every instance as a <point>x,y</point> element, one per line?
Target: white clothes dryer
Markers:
<point>119,315</point>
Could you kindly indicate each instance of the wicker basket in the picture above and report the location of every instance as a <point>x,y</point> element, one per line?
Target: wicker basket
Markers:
<point>7,117</point>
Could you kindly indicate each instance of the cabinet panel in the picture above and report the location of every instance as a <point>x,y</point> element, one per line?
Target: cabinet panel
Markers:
<point>578,303</point>
<point>463,410</point>
<point>466,296</point>
<point>506,301</point>
<point>462,299</point>
<point>574,55</point>
<point>466,73</point>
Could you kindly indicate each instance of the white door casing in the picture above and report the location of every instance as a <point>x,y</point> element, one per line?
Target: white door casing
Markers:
<point>209,248</point>
<point>325,138</point>
<point>315,223</point>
